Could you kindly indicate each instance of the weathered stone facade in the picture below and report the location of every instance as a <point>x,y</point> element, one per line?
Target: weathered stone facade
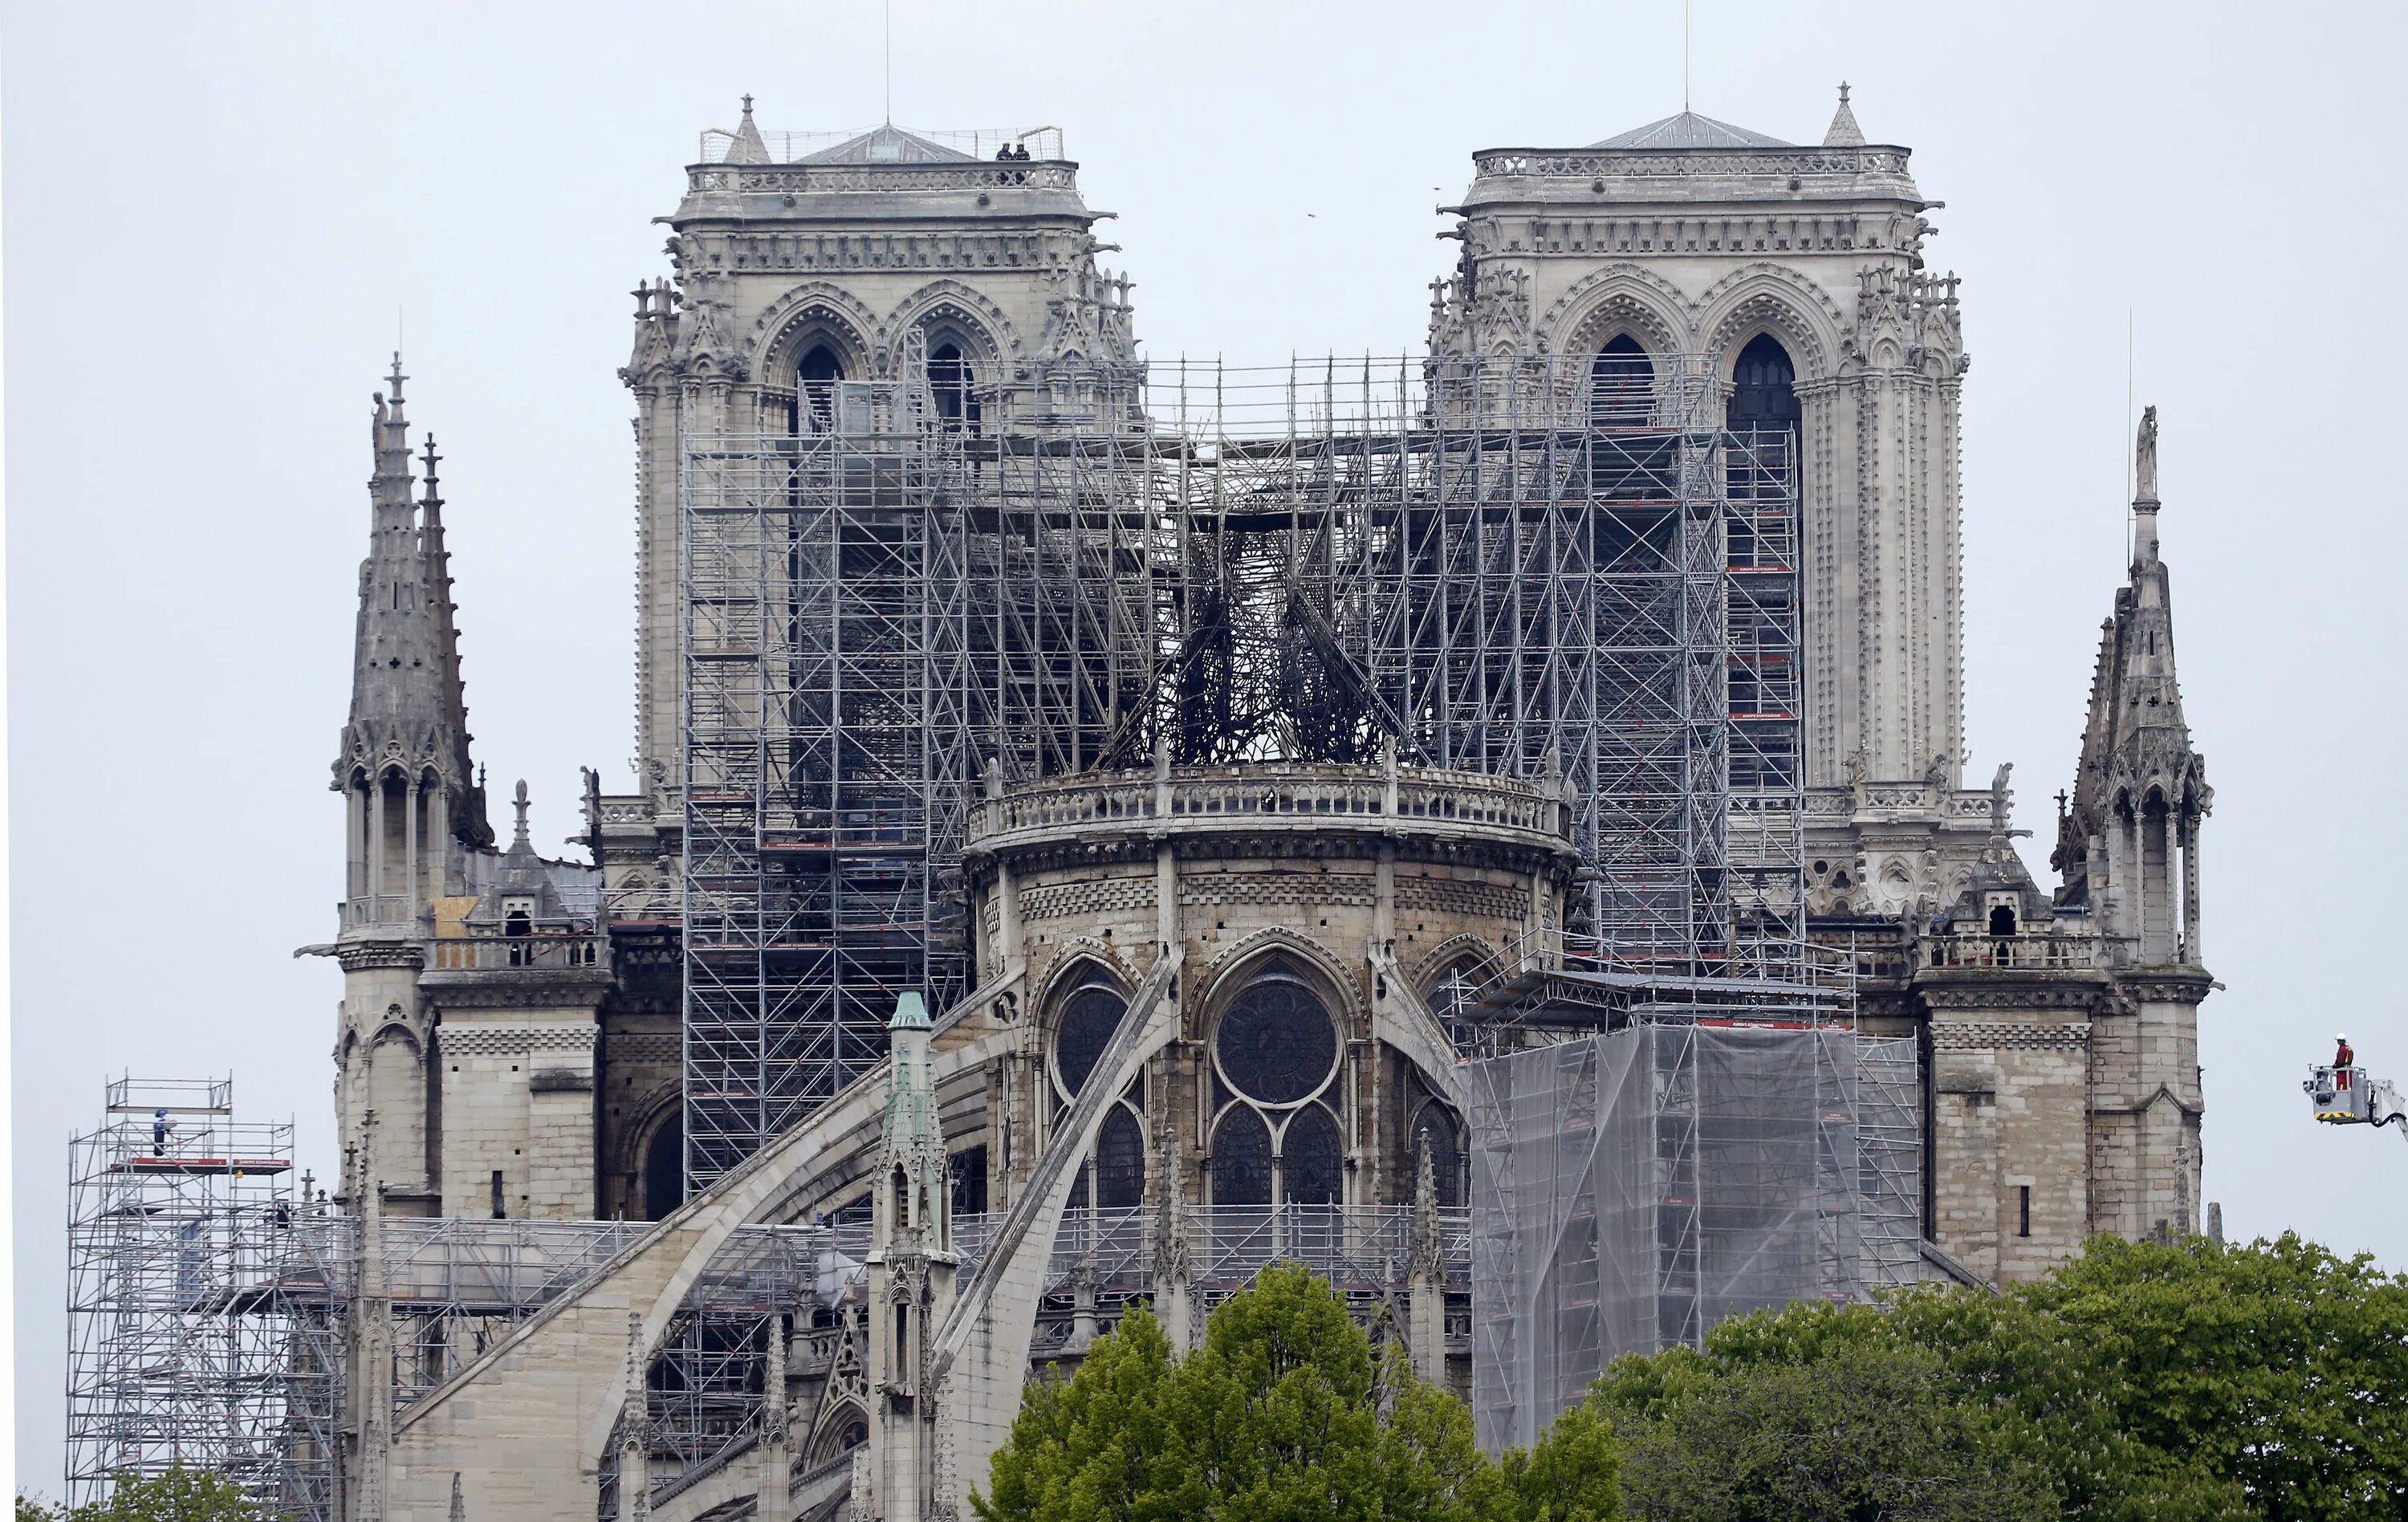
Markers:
<point>1206,986</point>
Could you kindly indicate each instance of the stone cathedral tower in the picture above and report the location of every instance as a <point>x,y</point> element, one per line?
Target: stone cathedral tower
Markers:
<point>1781,285</point>
<point>1697,273</point>
<point>795,276</point>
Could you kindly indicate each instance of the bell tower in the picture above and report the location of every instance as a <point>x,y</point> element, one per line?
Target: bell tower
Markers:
<point>410,806</point>
<point>2129,850</point>
<point>1788,284</point>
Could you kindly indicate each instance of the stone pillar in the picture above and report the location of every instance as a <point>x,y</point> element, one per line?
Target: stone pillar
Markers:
<point>1173,1261</point>
<point>412,796</point>
<point>2192,956</point>
<point>635,1452</point>
<point>372,1356</point>
<point>356,833</point>
<point>376,850</point>
<point>1426,1271</point>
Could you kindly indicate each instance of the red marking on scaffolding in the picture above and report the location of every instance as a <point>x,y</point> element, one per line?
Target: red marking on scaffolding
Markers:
<point>202,1165</point>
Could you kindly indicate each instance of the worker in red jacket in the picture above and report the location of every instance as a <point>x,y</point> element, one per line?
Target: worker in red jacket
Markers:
<point>2344,1059</point>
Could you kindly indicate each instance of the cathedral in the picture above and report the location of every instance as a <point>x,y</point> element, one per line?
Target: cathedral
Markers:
<point>1094,818</point>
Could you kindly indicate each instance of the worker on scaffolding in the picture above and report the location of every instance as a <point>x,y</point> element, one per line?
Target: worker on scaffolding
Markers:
<point>2344,1059</point>
<point>159,1126</point>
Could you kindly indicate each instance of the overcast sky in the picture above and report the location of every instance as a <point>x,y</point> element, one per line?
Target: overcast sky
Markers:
<point>217,216</point>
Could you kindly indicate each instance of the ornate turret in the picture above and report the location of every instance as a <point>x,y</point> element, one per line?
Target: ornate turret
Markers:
<point>2129,845</point>
<point>403,751</point>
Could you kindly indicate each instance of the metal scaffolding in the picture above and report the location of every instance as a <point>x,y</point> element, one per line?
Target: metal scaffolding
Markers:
<point>200,1330</point>
<point>1477,562</point>
<point>1634,1187</point>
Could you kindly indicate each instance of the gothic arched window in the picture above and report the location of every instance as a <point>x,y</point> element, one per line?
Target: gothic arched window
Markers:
<point>1621,385</point>
<point>816,378</point>
<point>1433,1126</point>
<point>1241,1158</point>
<point>1089,1017</point>
<point>951,382</point>
<point>1763,387</point>
<point>1455,992</point>
<point>665,1168</point>
<point>1276,1073</point>
<point>1113,1176</point>
<point>1310,1158</point>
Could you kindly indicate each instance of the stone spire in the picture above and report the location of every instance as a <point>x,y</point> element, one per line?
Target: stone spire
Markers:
<point>917,1186</point>
<point>748,148</point>
<point>470,817</point>
<point>406,711</point>
<point>1843,131</point>
<point>2132,828</point>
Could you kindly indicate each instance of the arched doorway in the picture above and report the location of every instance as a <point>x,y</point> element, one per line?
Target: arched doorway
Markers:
<point>665,1167</point>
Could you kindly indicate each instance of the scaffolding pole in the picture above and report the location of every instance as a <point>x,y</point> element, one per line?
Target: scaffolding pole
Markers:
<point>1478,562</point>
<point>200,1331</point>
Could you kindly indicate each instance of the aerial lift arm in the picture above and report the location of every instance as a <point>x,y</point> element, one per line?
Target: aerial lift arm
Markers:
<point>2346,1095</point>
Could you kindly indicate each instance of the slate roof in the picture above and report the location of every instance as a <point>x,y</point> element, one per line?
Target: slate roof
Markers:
<point>1690,130</point>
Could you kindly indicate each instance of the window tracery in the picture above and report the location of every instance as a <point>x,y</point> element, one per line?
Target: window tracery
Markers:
<point>1275,1071</point>
<point>1112,1177</point>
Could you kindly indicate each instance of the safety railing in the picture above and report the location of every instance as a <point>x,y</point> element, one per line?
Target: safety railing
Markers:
<point>553,950</point>
<point>2013,953</point>
<point>1269,793</point>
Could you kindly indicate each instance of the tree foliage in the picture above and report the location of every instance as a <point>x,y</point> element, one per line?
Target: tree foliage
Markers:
<point>1284,1415</point>
<point>178,1494</point>
<point>1865,1431</point>
<point>2138,1381</point>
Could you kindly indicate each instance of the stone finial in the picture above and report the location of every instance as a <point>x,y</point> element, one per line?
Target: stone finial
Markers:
<point>520,804</point>
<point>1843,131</point>
<point>2144,461</point>
<point>634,1456</point>
<point>748,147</point>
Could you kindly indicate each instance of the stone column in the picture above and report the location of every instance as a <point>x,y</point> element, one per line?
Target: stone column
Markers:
<point>376,850</point>
<point>1426,1271</point>
<point>411,800</point>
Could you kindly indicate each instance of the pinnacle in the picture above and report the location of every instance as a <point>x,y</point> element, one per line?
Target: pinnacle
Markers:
<point>1843,131</point>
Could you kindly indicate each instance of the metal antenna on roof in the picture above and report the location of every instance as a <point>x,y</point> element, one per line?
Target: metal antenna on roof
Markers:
<point>889,12</point>
<point>1684,57</point>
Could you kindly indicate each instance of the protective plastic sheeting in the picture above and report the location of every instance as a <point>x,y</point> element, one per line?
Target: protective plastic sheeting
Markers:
<point>1634,1188</point>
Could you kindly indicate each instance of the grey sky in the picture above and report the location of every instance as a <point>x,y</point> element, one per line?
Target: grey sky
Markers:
<point>214,213</point>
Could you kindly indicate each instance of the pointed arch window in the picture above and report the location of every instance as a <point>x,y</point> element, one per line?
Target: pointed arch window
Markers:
<point>951,382</point>
<point>1621,385</point>
<point>816,375</point>
<point>1275,1072</point>
<point>665,1168</point>
<point>1764,386</point>
<point>1114,1175</point>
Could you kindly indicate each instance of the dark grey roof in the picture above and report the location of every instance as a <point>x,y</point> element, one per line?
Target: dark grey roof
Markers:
<point>889,144</point>
<point>1690,130</point>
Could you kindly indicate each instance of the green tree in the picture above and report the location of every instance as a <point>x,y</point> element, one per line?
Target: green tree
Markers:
<point>2279,1365</point>
<point>1868,1431</point>
<point>2138,1381</point>
<point>1283,1414</point>
<point>178,1494</point>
